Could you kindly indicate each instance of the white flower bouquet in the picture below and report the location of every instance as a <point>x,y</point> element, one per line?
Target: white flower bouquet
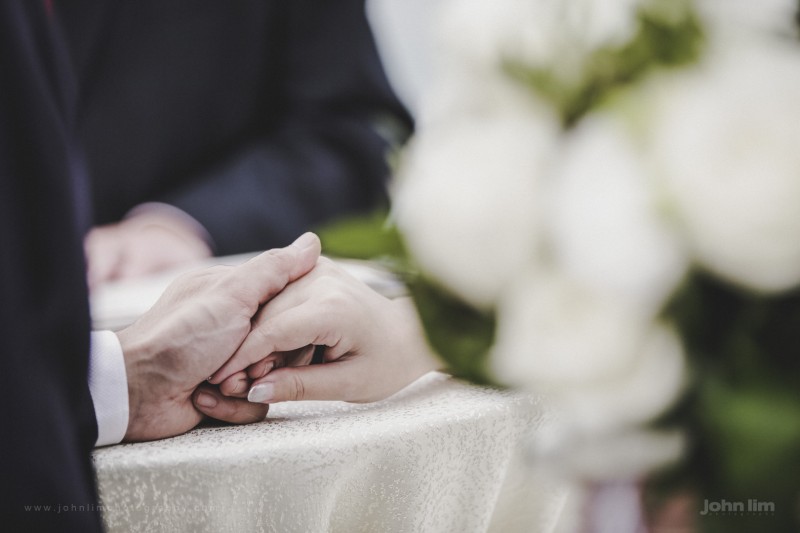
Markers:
<point>601,204</point>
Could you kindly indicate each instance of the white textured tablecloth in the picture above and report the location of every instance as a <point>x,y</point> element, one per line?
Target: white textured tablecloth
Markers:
<point>439,456</point>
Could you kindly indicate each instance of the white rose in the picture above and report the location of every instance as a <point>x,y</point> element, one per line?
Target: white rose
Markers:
<point>726,137</point>
<point>554,332</point>
<point>458,95</point>
<point>550,34</point>
<point>604,362</point>
<point>635,395</point>
<point>467,199</point>
<point>600,366</point>
<point>606,226</point>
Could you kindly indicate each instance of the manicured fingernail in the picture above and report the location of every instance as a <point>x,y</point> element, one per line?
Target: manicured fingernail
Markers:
<point>306,240</point>
<point>262,393</point>
<point>206,400</point>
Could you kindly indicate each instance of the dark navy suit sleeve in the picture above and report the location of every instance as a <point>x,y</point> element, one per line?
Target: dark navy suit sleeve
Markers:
<point>48,424</point>
<point>325,153</point>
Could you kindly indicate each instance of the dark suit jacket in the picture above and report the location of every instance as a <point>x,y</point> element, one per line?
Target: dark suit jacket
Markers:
<point>48,422</point>
<point>260,118</point>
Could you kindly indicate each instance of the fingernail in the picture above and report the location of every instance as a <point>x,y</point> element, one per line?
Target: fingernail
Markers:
<point>262,393</point>
<point>306,240</point>
<point>206,400</point>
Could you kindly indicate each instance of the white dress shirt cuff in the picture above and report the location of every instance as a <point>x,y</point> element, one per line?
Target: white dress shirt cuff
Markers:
<point>108,384</point>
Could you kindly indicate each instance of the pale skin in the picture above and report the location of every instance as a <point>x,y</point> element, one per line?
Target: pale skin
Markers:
<point>196,326</point>
<point>140,245</point>
<point>238,323</point>
<point>374,346</point>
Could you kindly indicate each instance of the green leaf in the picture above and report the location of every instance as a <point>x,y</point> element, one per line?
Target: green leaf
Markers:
<point>459,333</point>
<point>751,434</point>
<point>755,430</point>
<point>366,237</point>
<point>661,41</point>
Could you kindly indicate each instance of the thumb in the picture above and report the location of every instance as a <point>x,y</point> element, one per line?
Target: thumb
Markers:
<point>262,277</point>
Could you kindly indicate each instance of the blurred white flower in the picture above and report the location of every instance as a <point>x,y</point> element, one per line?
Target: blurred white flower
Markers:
<point>551,34</point>
<point>606,228</point>
<point>535,31</point>
<point>635,395</point>
<point>467,199</point>
<point>605,369</point>
<point>726,137</point>
<point>554,332</point>
<point>622,454</point>
<point>457,95</point>
<point>605,363</point>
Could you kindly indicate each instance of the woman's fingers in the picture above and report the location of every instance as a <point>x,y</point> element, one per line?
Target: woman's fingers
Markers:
<point>307,324</point>
<point>261,368</point>
<point>343,380</point>
<point>236,385</point>
<point>300,357</point>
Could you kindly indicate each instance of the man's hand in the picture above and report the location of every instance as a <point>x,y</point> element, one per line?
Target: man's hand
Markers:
<point>374,346</point>
<point>197,324</point>
<point>139,245</point>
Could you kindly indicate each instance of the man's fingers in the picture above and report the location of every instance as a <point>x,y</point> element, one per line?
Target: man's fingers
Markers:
<point>333,381</point>
<point>212,403</point>
<point>289,331</point>
<point>264,276</point>
<point>135,265</point>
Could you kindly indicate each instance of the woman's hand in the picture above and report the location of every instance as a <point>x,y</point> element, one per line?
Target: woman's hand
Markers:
<point>374,346</point>
<point>196,325</point>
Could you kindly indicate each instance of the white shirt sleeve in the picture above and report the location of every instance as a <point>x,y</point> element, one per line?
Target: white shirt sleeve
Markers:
<point>108,384</point>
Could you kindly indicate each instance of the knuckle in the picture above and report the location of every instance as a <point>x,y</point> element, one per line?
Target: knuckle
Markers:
<point>327,283</point>
<point>227,387</point>
<point>278,265</point>
<point>233,385</point>
<point>259,369</point>
<point>262,340</point>
<point>334,300</point>
<point>297,389</point>
<point>194,279</point>
<point>217,270</point>
<point>281,258</point>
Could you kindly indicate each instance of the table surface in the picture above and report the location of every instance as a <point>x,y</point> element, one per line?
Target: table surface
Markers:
<point>438,456</point>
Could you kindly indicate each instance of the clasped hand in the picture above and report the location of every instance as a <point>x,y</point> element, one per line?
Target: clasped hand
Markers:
<point>253,329</point>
